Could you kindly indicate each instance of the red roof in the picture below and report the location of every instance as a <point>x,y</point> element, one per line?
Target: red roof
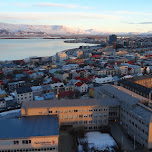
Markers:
<point>30,72</point>
<point>77,78</point>
<point>79,84</point>
<point>84,79</point>
<point>66,93</point>
<point>56,80</point>
<point>96,56</point>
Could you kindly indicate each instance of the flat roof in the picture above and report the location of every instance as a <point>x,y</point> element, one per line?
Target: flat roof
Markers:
<point>141,77</point>
<point>143,113</point>
<point>118,94</point>
<point>71,103</point>
<point>26,127</point>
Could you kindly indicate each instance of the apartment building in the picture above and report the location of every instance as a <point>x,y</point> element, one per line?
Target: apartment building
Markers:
<point>89,113</point>
<point>37,133</point>
<point>23,94</point>
<point>12,86</point>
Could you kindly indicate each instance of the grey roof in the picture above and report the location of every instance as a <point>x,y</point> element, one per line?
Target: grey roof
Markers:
<point>112,102</point>
<point>71,103</point>
<point>61,103</point>
<point>118,94</point>
<point>142,112</point>
<point>29,127</point>
<point>23,90</point>
<point>141,77</point>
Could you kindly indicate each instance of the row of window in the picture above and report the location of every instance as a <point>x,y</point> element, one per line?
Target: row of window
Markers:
<point>91,122</point>
<point>134,117</point>
<point>16,142</point>
<point>82,116</point>
<point>30,149</point>
<point>81,110</point>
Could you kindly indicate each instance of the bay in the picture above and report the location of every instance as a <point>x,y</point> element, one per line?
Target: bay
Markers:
<point>15,49</point>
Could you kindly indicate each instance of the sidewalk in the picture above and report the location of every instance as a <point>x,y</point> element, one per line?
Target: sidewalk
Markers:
<point>121,138</point>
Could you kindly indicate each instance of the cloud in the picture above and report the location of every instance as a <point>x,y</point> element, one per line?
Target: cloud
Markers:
<point>73,6</point>
<point>139,22</point>
<point>133,13</point>
<point>39,16</point>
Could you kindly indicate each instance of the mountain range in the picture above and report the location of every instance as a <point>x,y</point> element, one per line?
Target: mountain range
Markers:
<point>52,30</point>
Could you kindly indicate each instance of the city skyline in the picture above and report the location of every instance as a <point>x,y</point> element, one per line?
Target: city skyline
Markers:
<point>104,16</point>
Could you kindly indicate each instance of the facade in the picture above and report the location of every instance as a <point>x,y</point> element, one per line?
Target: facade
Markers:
<point>82,87</point>
<point>92,114</point>
<point>61,75</point>
<point>29,134</point>
<point>135,118</point>
<point>112,39</point>
<point>23,94</point>
<point>12,86</point>
<point>145,80</point>
<point>61,56</point>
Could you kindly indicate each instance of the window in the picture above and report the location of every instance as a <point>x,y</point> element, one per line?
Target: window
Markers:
<point>26,141</point>
<point>70,116</point>
<point>16,142</point>
<point>95,109</point>
<point>80,116</point>
<point>75,110</point>
<point>90,122</point>
<point>50,111</point>
<point>85,116</point>
<point>90,110</point>
<point>90,116</point>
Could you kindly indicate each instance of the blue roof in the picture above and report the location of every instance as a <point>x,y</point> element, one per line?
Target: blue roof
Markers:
<point>29,127</point>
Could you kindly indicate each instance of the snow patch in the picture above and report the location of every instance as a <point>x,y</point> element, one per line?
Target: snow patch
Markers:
<point>100,141</point>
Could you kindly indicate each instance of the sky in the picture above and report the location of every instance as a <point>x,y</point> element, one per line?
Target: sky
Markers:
<point>100,15</point>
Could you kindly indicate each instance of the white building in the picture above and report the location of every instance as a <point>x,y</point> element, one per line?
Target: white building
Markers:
<point>82,87</point>
<point>60,56</point>
<point>23,94</point>
<point>103,80</point>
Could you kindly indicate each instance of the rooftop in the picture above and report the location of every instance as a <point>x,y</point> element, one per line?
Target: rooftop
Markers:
<point>23,90</point>
<point>118,94</point>
<point>71,103</point>
<point>141,77</point>
<point>26,127</point>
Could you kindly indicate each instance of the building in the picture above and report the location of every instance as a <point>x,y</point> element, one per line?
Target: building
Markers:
<point>111,105</point>
<point>12,86</point>
<point>37,133</point>
<point>112,39</point>
<point>92,114</point>
<point>82,87</point>
<point>145,80</point>
<point>135,118</point>
<point>60,56</point>
<point>23,94</point>
<point>61,75</point>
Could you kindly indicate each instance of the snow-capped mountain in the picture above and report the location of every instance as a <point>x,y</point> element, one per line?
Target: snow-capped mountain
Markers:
<point>18,29</point>
<point>53,30</point>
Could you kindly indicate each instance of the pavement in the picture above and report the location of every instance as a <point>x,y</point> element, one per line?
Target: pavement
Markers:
<point>66,142</point>
<point>121,138</point>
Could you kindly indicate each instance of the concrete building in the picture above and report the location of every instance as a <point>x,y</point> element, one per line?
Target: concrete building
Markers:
<point>92,114</point>
<point>37,133</point>
<point>12,86</point>
<point>145,80</point>
<point>112,39</point>
<point>23,94</point>
<point>135,118</point>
